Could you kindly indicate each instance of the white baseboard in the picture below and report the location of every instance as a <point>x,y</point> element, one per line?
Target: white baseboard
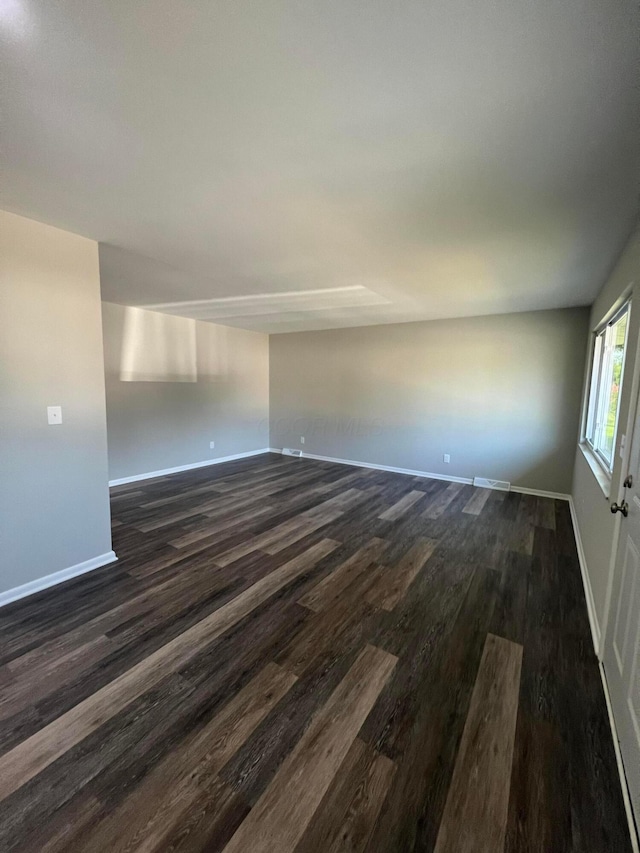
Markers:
<point>47,581</point>
<point>152,474</point>
<point>586,582</point>
<point>427,474</point>
<point>390,468</point>
<point>635,842</point>
<point>541,493</point>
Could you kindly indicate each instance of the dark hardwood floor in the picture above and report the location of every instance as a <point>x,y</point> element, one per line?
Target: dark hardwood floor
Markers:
<point>295,655</point>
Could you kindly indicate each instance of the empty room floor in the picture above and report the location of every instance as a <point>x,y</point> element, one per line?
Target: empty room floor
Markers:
<point>296,655</point>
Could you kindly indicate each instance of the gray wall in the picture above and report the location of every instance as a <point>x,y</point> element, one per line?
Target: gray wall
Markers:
<point>154,425</point>
<point>54,501</point>
<point>500,394</point>
<point>597,525</point>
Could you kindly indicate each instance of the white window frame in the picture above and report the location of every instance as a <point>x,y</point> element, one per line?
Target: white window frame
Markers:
<point>595,415</point>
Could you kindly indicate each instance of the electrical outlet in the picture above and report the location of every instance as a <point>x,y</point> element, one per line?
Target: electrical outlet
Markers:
<point>212,444</point>
<point>54,414</point>
<point>301,439</point>
<point>446,458</point>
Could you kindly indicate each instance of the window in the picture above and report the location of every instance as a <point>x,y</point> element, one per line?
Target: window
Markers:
<point>604,392</point>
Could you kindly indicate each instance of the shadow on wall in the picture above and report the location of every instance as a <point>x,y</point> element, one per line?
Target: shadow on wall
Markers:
<point>163,348</point>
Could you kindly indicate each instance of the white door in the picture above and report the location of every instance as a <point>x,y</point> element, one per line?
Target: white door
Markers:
<point>622,642</point>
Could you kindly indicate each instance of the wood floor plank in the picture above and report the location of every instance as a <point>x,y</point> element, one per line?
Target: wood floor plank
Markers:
<point>126,496</point>
<point>347,814</point>
<point>395,580</point>
<point>149,722</point>
<point>302,528</point>
<point>510,613</point>
<point>476,502</point>
<point>34,754</point>
<point>230,519</point>
<point>158,521</point>
<point>539,798</point>
<point>330,632</point>
<point>209,822</point>
<point>403,505</point>
<point>113,685</point>
<point>49,655</point>
<point>545,513</point>
<point>475,815</point>
<point>359,824</point>
<point>178,496</point>
<point>182,589</point>
<point>59,834</point>
<point>343,500</point>
<point>248,480</point>
<point>155,809</point>
<point>135,486</point>
<point>281,815</point>
<point>527,514</point>
<point>522,537</point>
<point>442,500</point>
<point>420,716</point>
<point>27,691</point>
<point>252,770</point>
<point>331,588</point>
<point>296,528</point>
<point>6,676</point>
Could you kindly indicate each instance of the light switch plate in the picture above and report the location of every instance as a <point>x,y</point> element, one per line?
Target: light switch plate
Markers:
<point>54,414</point>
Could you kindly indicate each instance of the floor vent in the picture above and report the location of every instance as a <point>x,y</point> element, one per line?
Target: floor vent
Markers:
<point>287,451</point>
<point>484,483</point>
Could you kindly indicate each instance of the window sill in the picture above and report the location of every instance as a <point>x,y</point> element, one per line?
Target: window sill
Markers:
<point>603,477</point>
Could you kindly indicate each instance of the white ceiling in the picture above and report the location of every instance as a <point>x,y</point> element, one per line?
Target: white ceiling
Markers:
<point>399,159</point>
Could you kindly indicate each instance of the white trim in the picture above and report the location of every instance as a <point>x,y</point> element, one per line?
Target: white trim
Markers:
<point>541,493</point>
<point>57,577</point>
<point>152,474</point>
<point>586,582</point>
<point>410,471</point>
<point>635,842</point>
<point>428,474</point>
<point>602,477</point>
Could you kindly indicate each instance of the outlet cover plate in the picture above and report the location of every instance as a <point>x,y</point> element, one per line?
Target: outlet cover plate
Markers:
<point>54,414</point>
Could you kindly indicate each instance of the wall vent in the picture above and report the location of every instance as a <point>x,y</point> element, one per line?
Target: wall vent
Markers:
<point>287,451</point>
<point>485,483</point>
